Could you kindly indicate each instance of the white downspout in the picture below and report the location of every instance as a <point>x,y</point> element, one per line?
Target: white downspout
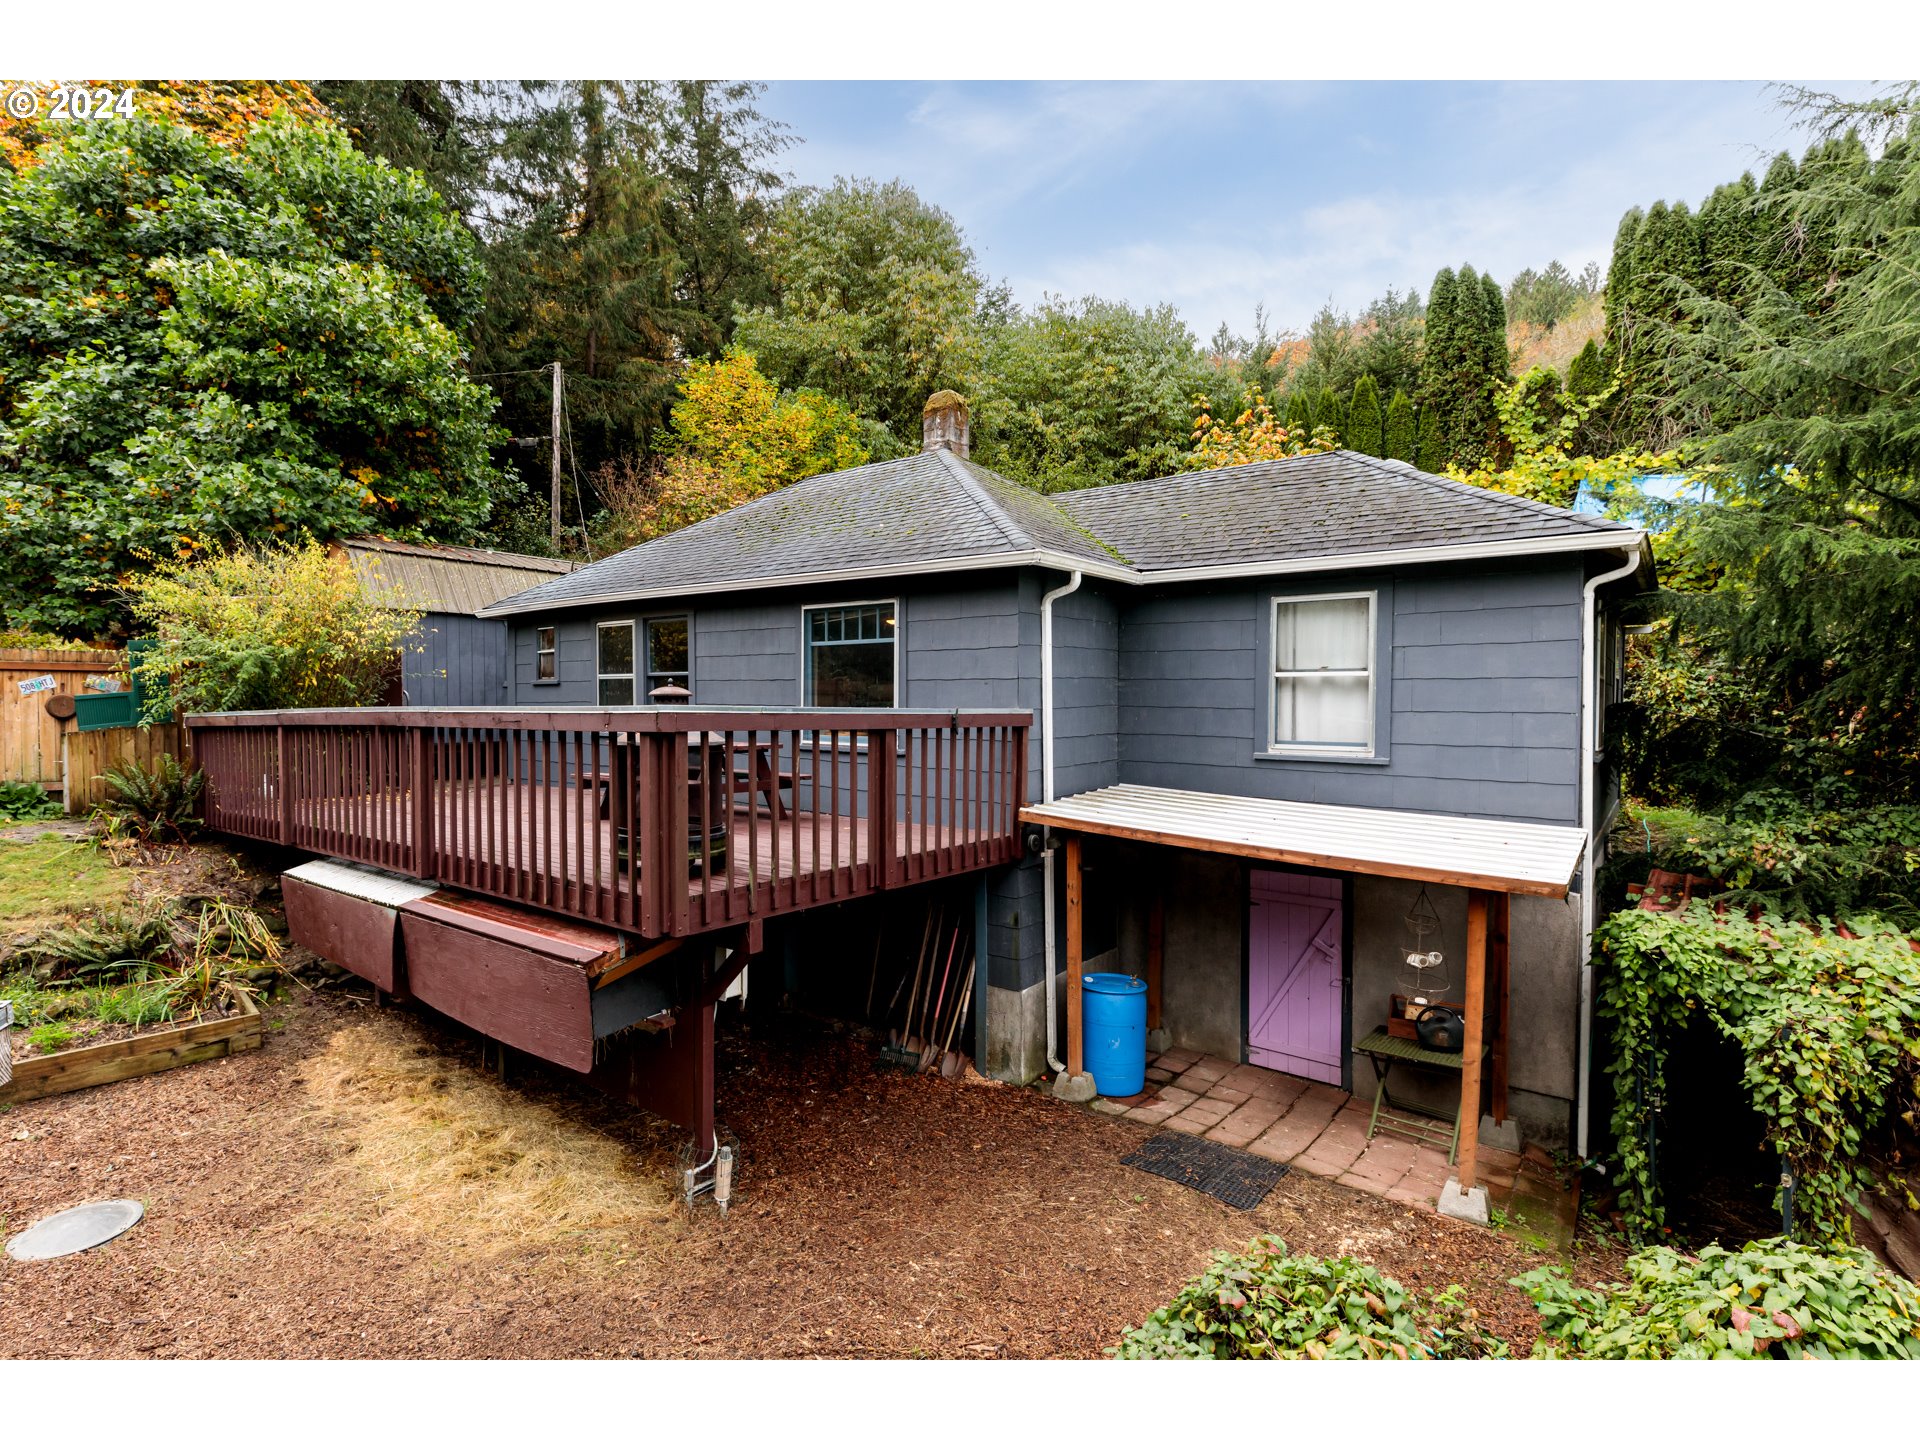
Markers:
<point>1589,749</point>
<point>1046,786</point>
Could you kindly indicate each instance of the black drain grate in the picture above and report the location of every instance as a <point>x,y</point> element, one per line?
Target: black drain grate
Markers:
<point>1233,1176</point>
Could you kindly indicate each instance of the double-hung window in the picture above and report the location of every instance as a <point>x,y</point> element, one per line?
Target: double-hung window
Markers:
<point>546,654</point>
<point>616,662</point>
<point>1323,680</point>
<point>851,654</point>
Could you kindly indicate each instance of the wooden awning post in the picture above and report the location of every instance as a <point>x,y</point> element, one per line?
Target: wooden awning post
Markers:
<point>1076,1051</point>
<point>1156,954</point>
<point>1476,1004</point>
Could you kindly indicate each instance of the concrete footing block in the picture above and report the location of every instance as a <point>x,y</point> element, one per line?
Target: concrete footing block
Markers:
<point>1504,1136</point>
<point>1469,1205</point>
<point>1158,1041</point>
<point>1077,1088</point>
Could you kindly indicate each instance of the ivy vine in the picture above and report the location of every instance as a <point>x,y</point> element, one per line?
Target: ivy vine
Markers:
<point>1825,1016</point>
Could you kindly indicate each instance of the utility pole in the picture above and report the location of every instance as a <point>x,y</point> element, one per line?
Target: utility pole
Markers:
<point>557,384</point>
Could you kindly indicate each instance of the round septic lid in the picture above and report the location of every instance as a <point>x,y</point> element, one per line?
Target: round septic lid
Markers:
<point>72,1231</point>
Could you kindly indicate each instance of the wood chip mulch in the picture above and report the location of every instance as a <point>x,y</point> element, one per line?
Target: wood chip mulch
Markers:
<point>877,1213</point>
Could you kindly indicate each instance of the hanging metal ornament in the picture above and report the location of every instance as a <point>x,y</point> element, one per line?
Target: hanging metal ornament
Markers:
<point>1424,957</point>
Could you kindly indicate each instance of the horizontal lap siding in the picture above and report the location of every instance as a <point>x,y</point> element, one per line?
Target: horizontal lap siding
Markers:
<point>1482,706</point>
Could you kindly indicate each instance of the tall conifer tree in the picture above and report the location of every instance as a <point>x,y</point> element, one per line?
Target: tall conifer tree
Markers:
<point>1430,451</point>
<point>1330,409</point>
<point>1364,432</point>
<point>1402,436</point>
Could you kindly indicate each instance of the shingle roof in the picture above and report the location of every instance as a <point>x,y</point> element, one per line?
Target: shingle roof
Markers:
<point>935,511</point>
<point>444,579</point>
<point>923,509</point>
<point>1338,503</point>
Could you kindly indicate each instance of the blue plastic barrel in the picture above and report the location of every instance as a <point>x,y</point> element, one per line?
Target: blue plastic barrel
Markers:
<point>1113,1030</point>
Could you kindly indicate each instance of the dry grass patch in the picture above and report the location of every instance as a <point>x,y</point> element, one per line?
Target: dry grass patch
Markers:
<point>443,1151</point>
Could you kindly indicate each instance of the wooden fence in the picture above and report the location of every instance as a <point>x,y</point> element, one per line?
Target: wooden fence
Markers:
<point>91,753</point>
<point>29,735</point>
<point>726,816</point>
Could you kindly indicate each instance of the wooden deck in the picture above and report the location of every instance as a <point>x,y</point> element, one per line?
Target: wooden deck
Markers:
<point>737,816</point>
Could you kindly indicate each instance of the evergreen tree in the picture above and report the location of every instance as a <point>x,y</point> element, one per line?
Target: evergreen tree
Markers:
<point>1299,412</point>
<point>716,200</point>
<point>1430,452</point>
<point>582,270</point>
<point>1364,421</point>
<point>1439,353</point>
<point>1401,436</point>
<point>1330,409</point>
<point>1727,222</point>
<point>1815,529</point>
<point>1774,244</point>
<point>1621,280</point>
<point>1587,374</point>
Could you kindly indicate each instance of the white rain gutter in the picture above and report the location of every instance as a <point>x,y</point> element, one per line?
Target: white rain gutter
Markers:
<point>1046,786</point>
<point>1589,751</point>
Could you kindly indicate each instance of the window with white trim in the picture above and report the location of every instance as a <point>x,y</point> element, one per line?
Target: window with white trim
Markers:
<point>615,662</point>
<point>546,654</point>
<point>1323,658</point>
<point>667,663</point>
<point>852,658</point>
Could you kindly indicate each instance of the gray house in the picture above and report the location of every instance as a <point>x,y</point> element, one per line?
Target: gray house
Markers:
<point>1294,721</point>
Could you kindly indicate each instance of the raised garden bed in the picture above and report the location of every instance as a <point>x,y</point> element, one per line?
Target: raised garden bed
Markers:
<point>160,1048</point>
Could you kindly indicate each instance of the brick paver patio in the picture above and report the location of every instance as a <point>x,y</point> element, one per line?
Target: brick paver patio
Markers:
<point>1315,1127</point>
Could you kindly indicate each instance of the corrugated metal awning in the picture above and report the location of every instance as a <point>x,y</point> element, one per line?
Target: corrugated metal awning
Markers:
<point>1511,856</point>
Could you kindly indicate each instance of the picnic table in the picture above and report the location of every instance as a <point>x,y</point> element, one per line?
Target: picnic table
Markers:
<point>1384,1051</point>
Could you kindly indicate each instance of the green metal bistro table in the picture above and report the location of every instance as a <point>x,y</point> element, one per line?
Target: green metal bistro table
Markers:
<point>1385,1051</point>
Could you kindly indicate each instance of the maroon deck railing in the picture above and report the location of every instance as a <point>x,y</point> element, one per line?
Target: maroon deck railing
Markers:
<point>658,821</point>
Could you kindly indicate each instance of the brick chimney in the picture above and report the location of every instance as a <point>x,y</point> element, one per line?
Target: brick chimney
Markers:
<point>943,423</point>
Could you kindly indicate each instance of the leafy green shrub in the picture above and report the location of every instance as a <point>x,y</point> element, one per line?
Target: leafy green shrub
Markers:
<point>270,628</point>
<point>21,800</point>
<point>1773,1299</point>
<point>1823,1015</point>
<point>199,342</point>
<point>158,801</point>
<point>1267,1304</point>
<point>1827,853</point>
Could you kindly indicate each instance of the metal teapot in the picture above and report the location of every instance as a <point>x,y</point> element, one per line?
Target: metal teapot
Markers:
<point>1439,1028</point>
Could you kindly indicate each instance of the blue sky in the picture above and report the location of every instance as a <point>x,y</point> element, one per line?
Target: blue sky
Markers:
<point>1220,196</point>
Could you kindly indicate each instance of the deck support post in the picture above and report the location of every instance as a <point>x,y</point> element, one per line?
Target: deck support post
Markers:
<point>1156,958</point>
<point>1499,931</point>
<point>1460,1199</point>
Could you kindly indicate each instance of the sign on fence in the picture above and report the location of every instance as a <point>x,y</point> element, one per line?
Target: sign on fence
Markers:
<point>37,684</point>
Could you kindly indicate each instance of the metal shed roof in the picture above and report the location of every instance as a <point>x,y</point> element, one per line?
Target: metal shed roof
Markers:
<point>445,579</point>
<point>1512,856</point>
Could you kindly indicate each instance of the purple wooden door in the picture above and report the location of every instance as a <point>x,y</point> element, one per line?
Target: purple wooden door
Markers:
<point>1295,994</point>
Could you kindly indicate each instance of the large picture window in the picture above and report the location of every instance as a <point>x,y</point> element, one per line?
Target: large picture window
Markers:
<point>616,663</point>
<point>851,658</point>
<point>667,659</point>
<point>1323,674</point>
